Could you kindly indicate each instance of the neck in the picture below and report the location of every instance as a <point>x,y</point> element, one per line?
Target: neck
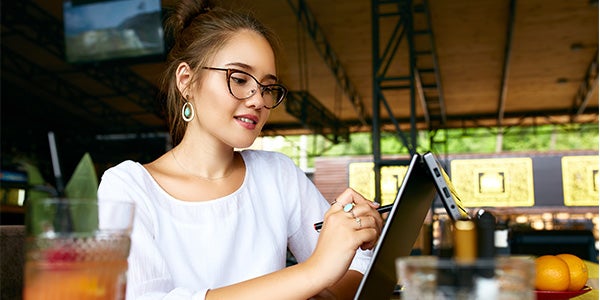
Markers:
<point>203,164</point>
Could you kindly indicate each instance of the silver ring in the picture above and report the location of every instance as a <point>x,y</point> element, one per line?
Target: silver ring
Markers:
<point>348,207</point>
<point>334,202</point>
<point>358,222</point>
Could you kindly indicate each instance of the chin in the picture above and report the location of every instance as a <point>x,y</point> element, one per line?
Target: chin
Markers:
<point>246,143</point>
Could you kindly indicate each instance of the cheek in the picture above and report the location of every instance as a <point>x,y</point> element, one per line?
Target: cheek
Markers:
<point>216,101</point>
<point>215,111</point>
<point>264,116</point>
<point>213,91</point>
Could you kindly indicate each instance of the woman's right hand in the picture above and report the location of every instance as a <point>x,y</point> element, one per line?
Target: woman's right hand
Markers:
<point>344,232</point>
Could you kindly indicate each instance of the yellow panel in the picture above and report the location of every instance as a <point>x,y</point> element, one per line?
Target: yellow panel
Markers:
<point>362,179</point>
<point>494,182</point>
<point>580,180</point>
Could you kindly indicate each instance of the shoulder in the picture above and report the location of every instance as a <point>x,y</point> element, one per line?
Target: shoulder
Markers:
<point>127,166</point>
<point>128,179</point>
<point>126,170</point>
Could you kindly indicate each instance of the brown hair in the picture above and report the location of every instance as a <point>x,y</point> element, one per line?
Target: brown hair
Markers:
<point>198,31</point>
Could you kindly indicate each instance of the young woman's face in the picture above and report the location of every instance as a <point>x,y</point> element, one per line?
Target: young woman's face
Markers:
<point>236,122</point>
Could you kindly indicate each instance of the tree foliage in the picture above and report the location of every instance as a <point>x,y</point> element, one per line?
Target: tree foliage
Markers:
<point>451,141</point>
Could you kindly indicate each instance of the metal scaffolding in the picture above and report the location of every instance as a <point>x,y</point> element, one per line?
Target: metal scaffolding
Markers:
<point>411,23</point>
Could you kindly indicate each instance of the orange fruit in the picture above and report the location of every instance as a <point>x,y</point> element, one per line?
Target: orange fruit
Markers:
<point>551,273</point>
<point>577,270</point>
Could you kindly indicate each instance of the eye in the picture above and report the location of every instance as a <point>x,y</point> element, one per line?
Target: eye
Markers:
<point>239,78</point>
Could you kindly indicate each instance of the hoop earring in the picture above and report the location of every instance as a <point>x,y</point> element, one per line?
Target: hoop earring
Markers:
<point>187,112</point>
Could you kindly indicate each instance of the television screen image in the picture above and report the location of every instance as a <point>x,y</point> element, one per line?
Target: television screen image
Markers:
<point>112,29</point>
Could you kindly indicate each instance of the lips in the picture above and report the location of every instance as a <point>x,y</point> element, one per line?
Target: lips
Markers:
<point>247,120</point>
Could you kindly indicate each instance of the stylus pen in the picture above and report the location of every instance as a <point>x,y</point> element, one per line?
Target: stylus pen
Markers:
<point>381,209</point>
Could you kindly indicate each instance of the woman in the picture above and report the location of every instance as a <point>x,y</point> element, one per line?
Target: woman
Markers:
<point>215,223</point>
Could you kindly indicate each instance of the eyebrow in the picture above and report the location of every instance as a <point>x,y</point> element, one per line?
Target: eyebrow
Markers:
<point>250,69</point>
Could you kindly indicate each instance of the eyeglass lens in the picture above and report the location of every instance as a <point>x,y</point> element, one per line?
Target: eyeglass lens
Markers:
<point>243,86</point>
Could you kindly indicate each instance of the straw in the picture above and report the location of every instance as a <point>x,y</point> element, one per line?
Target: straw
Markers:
<point>63,219</point>
<point>55,164</point>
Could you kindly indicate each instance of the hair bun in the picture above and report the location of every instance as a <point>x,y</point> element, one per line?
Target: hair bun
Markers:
<point>191,9</point>
<point>179,17</point>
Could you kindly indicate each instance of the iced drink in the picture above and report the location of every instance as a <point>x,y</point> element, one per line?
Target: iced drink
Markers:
<point>81,261</point>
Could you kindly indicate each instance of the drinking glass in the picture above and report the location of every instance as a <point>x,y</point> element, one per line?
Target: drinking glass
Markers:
<point>73,253</point>
<point>433,278</point>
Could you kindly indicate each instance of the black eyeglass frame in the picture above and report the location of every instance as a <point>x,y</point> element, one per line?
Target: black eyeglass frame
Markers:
<point>263,87</point>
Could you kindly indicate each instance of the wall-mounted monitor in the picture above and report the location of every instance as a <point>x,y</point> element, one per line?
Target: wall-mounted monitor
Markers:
<point>108,30</point>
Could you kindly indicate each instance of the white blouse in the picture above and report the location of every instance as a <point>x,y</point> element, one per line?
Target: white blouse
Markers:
<point>181,249</point>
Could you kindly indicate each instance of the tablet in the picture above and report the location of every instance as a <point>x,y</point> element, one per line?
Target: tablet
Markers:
<point>400,231</point>
<point>446,191</point>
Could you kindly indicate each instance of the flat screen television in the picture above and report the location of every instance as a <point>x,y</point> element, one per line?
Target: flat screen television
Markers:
<point>112,30</point>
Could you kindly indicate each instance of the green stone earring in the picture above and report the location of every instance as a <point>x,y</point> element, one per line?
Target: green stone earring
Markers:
<point>187,112</point>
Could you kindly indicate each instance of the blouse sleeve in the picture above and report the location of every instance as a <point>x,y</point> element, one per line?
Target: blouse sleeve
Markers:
<point>147,276</point>
<point>312,206</point>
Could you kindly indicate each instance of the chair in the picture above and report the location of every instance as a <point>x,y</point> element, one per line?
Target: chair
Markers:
<point>12,260</point>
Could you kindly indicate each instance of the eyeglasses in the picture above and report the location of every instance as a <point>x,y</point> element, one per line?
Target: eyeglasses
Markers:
<point>241,87</point>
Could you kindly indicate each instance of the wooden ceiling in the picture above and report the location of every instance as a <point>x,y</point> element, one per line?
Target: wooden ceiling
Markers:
<point>492,62</point>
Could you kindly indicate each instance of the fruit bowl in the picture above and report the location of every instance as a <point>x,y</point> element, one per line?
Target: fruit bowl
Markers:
<point>564,295</point>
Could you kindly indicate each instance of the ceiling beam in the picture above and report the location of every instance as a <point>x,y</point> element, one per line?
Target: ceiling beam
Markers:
<point>507,55</point>
<point>313,29</point>
<point>556,116</point>
<point>523,118</point>
<point>316,117</point>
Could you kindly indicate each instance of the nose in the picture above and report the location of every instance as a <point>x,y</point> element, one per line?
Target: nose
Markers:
<point>257,100</point>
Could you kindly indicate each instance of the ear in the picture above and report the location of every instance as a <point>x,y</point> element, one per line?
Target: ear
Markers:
<point>183,77</point>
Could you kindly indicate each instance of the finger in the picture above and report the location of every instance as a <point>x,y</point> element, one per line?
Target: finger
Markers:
<point>356,205</point>
<point>372,240</point>
<point>359,200</point>
<point>336,206</point>
<point>368,238</point>
<point>358,222</point>
<point>347,229</point>
<point>349,195</point>
<point>370,220</point>
<point>365,210</point>
<point>366,222</point>
<point>374,204</point>
<point>337,215</point>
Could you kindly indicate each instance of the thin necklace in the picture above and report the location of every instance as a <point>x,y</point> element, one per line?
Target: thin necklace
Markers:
<point>198,176</point>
